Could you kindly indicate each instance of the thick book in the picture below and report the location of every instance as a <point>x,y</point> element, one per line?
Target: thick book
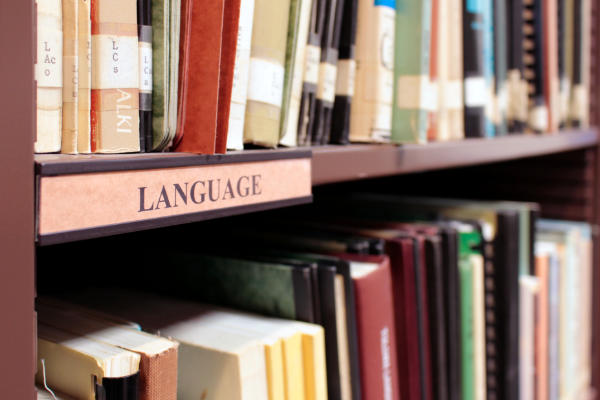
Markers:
<point>200,66</point>
<point>517,85</point>
<point>297,39</point>
<point>239,91</point>
<point>231,19</point>
<point>84,77</point>
<point>473,64</point>
<point>371,116</point>
<point>413,94</point>
<point>70,113</point>
<point>49,76</point>
<point>346,75</point>
<point>158,356</point>
<point>144,19</point>
<point>85,368</point>
<point>330,41</point>
<point>267,72</point>
<point>115,81</point>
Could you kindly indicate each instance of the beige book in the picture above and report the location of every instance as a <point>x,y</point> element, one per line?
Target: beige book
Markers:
<point>342,338</point>
<point>442,114</point>
<point>70,76</point>
<point>584,352</point>
<point>265,79</point>
<point>84,55</point>
<point>76,364</point>
<point>528,289</point>
<point>479,365</point>
<point>43,394</point>
<point>49,76</point>
<point>158,356</point>
<point>454,90</point>
<point>371,115</point>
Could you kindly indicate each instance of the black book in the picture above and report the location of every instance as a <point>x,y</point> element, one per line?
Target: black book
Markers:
<point>340,126</point>
<point>562,63</point>
<point>534,64</point>
<point>144,18</point>
<point>473,72</point>
<point>516,66</point>
<point>311,74</point>
<point>578,63</point>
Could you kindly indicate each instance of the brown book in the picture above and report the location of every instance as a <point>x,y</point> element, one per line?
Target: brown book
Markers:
<point>158,356</point>
<point>200,71</point>
<point>231,21</point>
<point>115,84</point>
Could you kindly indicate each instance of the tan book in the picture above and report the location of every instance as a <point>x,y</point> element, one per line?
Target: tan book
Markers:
<point>479,366</point>
<point>542,327</point>
<point>266,76</point>
<point>371,115</point>
<point>84,55</point>
<point>76,365</point>
<point>115,84</point>
<point>49,76</point>
<point>528,291</point>
<point>158,356</point>
<point>342,338</point>
<point>442,114</point>
<point>453,92</point>
<point>44,394</point>
<point>70,76</point>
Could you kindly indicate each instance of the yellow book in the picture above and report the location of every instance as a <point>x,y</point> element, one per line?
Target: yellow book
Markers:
<point>70,76</point>
<point>313,353</point>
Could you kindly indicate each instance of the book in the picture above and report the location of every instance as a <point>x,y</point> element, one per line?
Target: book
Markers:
<point>371,116</point>
<point>542,325</point>
<point>467,330</point>
<point>325,98</point>
<point>70,108</point>
<point>239,91</point>
<point>44,394</point>
<point>413,94</point>
<point>473,64</point>
<point>158,356</point>
<point>500,67</point>
<point>179,20</point>
<point>84,77</point>
<point>434,65</point>
<point>144,20</point>
<point>49,76</point>
<point>295,59</point>
<point>552,77</point>
<point>440,128</point>
<point>488,31</point>
<point>199,72</point>
<point>115,81</point>
<point>565,38</point>
<point>579,112</point>
<point>161,83</point>
<point>267,72</point>
<point>517,85</point>
<point>452,94</point>
<point>346,75</point>
<point>528,290</point>
<point>230,37</point>
<point>85,368</point>
<point>479,325</point>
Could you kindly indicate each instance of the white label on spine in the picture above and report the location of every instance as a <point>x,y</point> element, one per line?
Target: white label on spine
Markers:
<point>313,60</point>
<point>115,64</point>
<point>265,82</point>
<point>327,76</point>
<point>475,92</point>
<point>71,78</point>
<point>346,76</point>
<point>415,93</point>
<point>453,95</point>
<point>538,118</point>
<point>145,67</point>
<point>49,71</point>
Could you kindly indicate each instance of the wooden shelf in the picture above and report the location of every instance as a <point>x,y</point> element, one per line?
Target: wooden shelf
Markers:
<point>333,164</point>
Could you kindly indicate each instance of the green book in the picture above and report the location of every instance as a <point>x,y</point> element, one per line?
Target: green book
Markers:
<point>413,93</point>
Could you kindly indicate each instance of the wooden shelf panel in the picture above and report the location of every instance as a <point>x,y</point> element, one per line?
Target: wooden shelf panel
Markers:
<point>333,164</point>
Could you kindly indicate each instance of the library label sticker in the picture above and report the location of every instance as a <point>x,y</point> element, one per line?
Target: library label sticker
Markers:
<point>87,201</point>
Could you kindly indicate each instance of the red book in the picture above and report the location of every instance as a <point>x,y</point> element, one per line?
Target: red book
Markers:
<point>376,329</point>
<point>200,64</point>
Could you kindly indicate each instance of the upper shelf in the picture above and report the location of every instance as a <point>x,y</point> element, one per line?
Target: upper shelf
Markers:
<point>339,164</point>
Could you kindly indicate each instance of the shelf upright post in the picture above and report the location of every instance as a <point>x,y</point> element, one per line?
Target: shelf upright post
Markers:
<point>17,127</point>
<point>595,121</point>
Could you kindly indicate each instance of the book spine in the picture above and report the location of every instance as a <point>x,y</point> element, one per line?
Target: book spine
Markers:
<point>452,93</point>
<point>237,112</point>
<point>467,326</point>
<point>434,68</point>
<point>49,76</point>
<point>160,70</point>
<point>528,288</point>
<point>265,81</point>
<point>479,336</point>
<point>346,75</point>
<point>563,76</point>
<point>578,96</point>
<point>84,56</point>
<point>144,18</point>
<point>552,82</point>
<point>115,81</point>
<point>500,67</point>
<point>70,10</point>
<point>413,96</point>
<point>474,84</point>
<point>517,85</point>
<point>311,73</point>
<point>554,327</point>
<point>488,65</point>
<point>534,60</point>
<point>443,131</point>
<point>371,117</point>
<point>542,330</point>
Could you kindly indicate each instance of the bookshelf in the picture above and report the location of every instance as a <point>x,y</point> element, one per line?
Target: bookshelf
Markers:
<point>21,173</point>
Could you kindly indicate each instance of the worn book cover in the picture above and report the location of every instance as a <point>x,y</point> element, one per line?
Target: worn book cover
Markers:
<point>70,10</point>
<point>84,77</point>
<point>115,80</point>
<point>49,76</point>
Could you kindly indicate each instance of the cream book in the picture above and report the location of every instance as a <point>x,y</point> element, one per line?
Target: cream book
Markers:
<point>239,91</point>
<point>371,115</point>
<point>49,76</point>
<point>81,367</point>
<point>158,356</point>
<point>479,336</point>
<point>44,394</point>
<point>528,289</point>
<point>70,76</point>
<point>453,90</point>
<point>266,76</point>
<point>84,99</point>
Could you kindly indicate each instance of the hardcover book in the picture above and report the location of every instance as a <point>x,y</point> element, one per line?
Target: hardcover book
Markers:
<point>49,76</point>
<point>84,77</point>
<point>476,95</point>
<point>534,66</point>
<point>552,78</point>
<point>267,72</point>
<point>517,85</point>
<point>452,95</point>
<point>144,17</point>
<point>371,117</point>
<point>115,81</point>
<point>500,67</point>
<point>70,113</point>
<point>487,7</point>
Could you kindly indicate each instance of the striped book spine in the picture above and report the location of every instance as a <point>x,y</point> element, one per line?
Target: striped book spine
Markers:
<point>475,87</point>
